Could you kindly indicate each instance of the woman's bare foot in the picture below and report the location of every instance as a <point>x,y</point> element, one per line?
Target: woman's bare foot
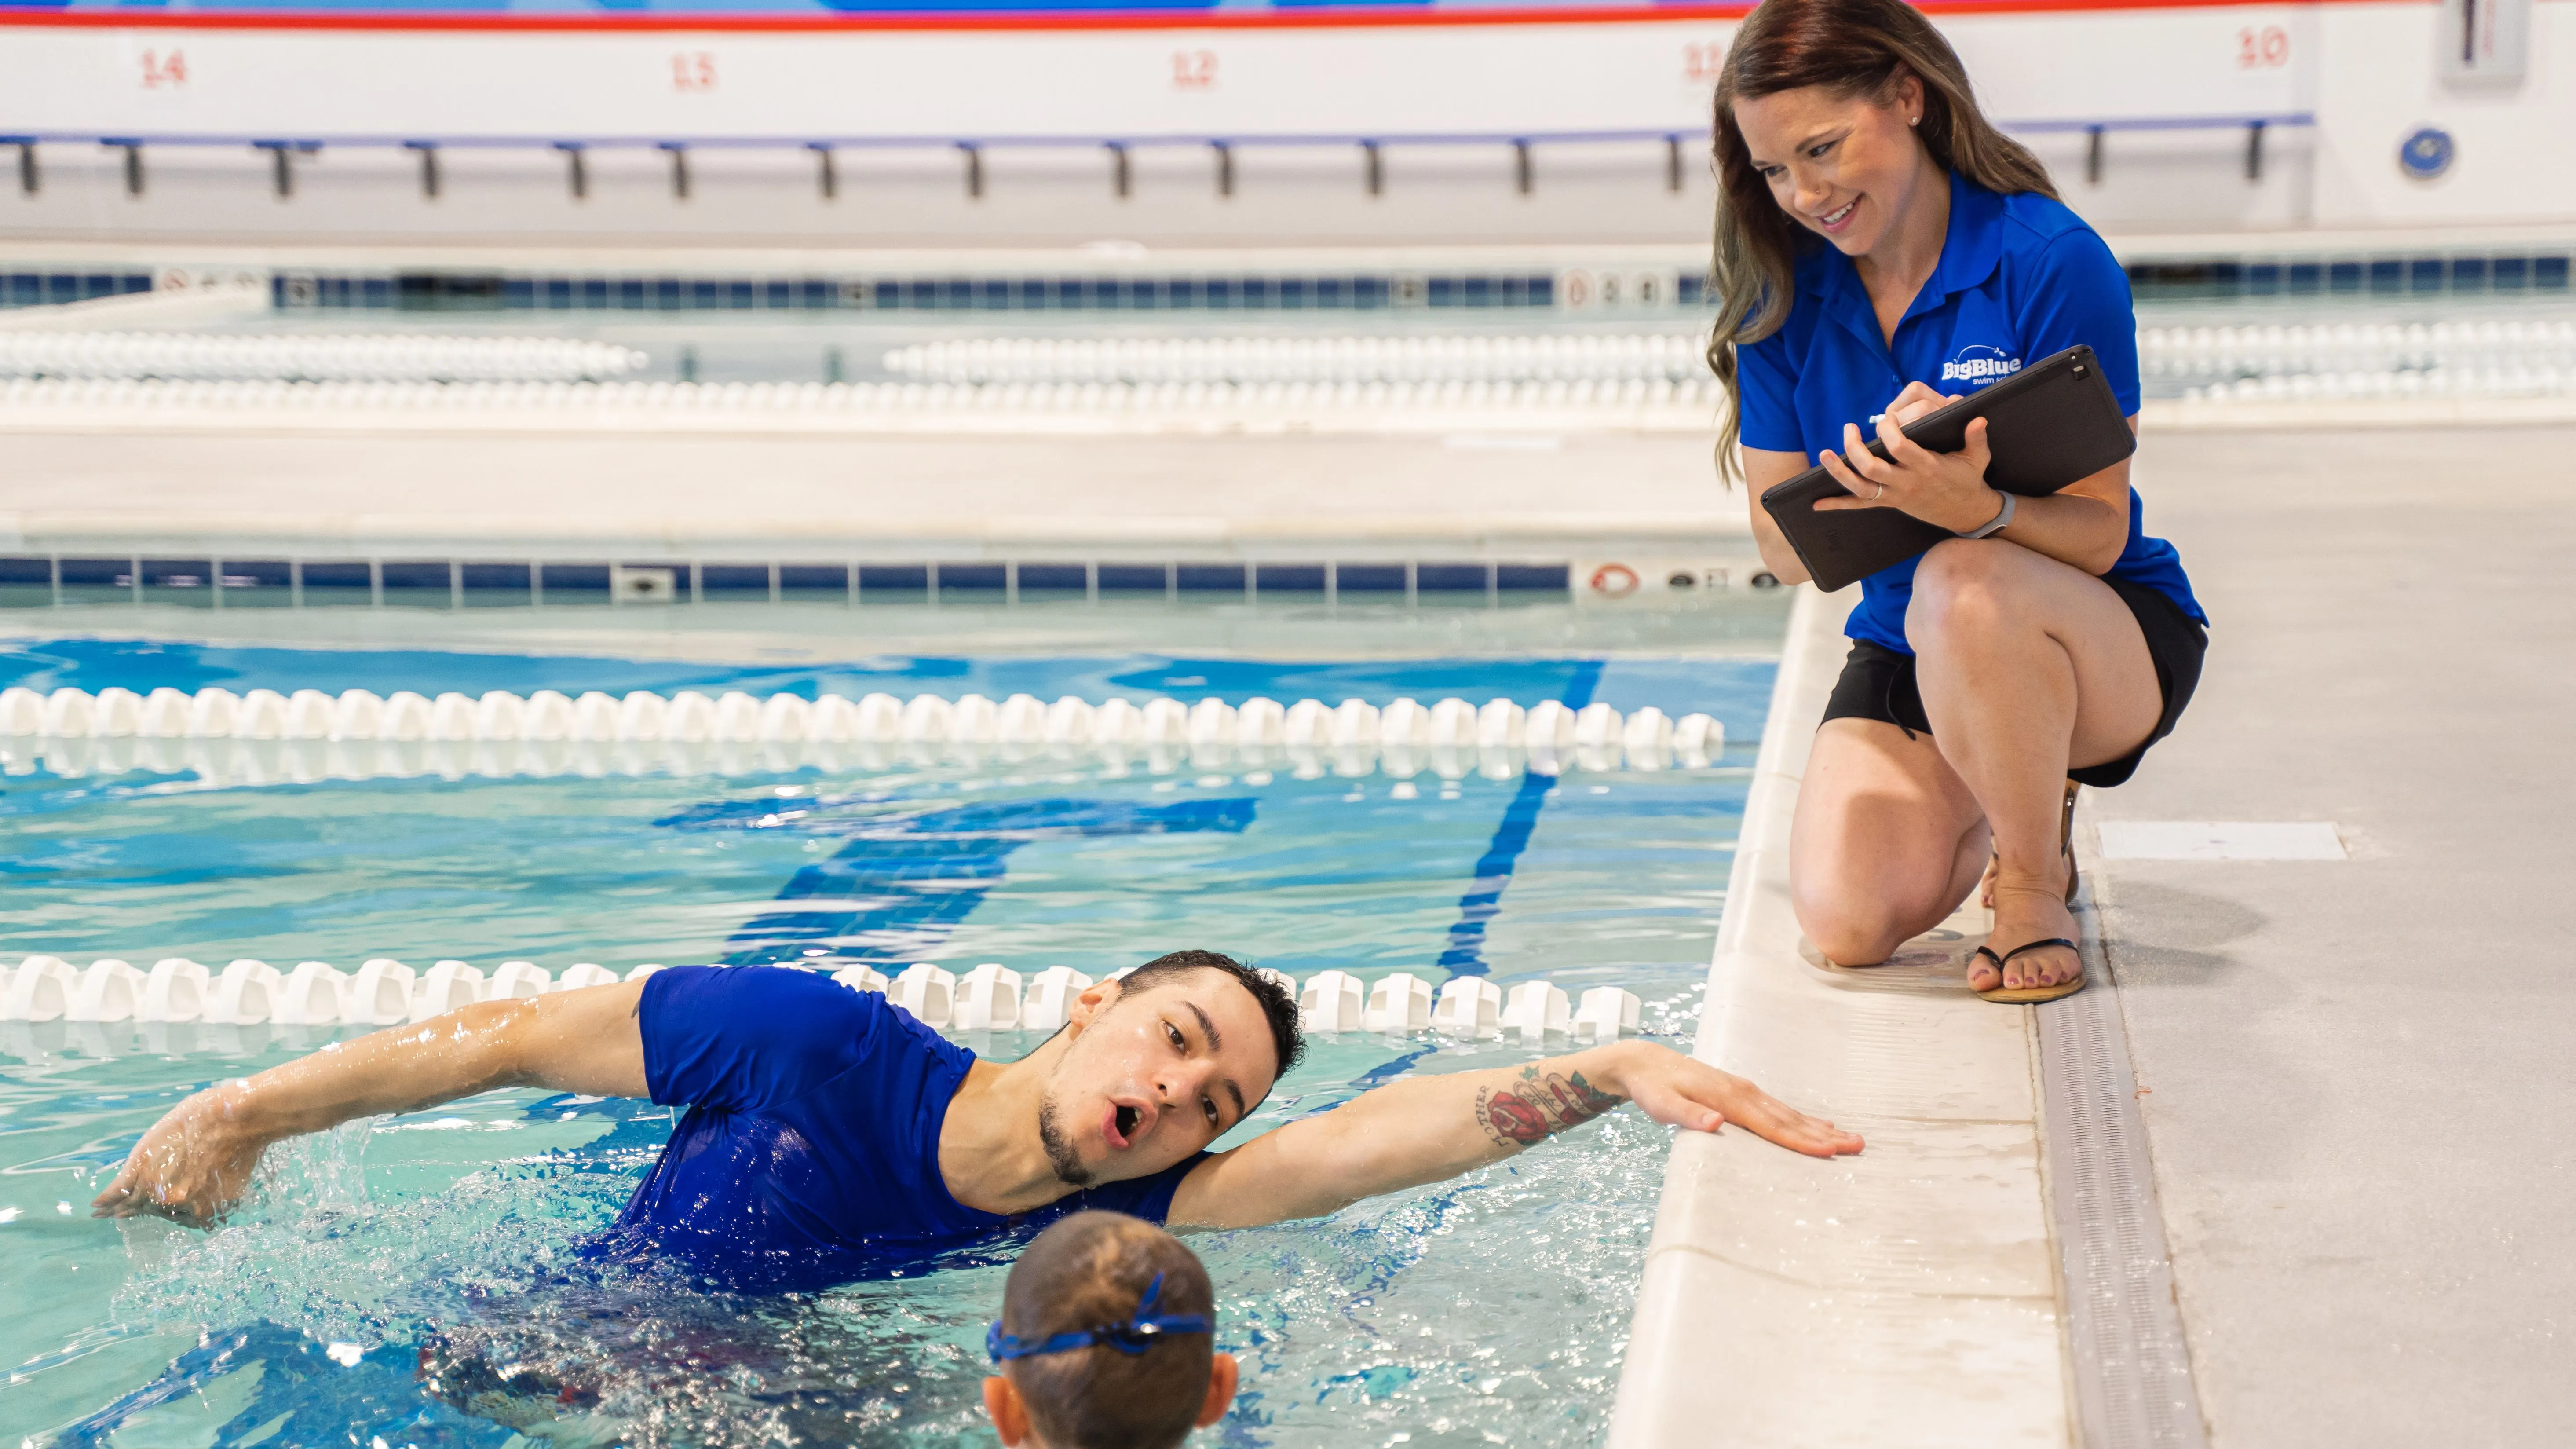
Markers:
<point>2027,911</point>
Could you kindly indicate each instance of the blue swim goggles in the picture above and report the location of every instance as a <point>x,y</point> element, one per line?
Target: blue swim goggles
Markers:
<point>1136,1335</point>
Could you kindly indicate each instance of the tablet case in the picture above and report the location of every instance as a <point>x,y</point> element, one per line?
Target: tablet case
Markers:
<point>2050,424</point>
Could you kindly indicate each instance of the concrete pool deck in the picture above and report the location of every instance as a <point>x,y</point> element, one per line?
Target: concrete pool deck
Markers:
<point>2356,1074</point>
<point>1470,494</point>
<point>2352,1074</point>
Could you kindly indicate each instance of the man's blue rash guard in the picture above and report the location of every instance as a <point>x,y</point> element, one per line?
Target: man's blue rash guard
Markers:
<point>809,1154</point>
<point>2020,277</point>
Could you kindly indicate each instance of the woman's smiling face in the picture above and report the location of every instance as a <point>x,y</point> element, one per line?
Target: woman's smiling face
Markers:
<point>1845,168</point>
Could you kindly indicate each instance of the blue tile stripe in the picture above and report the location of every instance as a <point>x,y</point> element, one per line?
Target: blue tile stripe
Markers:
<point>1465,953</point>
<point>1263,292</point>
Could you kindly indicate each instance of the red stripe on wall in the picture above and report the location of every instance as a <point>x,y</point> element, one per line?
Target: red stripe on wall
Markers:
<point>1336,19</point>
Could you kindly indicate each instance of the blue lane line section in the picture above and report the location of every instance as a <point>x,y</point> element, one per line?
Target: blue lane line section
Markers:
<point>905,880</point>
<point>1465,952</point>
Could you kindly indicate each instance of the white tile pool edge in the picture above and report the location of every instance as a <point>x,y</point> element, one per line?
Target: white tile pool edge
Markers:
<point>1904,1296</point>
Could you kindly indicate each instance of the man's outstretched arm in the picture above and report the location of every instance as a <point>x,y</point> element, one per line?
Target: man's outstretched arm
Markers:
<point>196,1160</point>
<point>1429,1128</point>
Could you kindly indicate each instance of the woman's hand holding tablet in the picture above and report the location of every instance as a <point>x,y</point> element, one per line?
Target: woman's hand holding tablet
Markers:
<point>1946,490</point>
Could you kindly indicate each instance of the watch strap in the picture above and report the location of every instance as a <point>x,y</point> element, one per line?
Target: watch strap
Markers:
<point>2002,519</point>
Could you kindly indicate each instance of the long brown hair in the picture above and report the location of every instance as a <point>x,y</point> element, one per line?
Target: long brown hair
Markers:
<point>1851,48</point>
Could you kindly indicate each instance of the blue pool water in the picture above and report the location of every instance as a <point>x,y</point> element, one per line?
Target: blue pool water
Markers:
<point>405,1280</point>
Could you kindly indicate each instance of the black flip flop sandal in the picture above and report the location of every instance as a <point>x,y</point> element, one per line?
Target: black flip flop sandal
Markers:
<point>2024,995</point>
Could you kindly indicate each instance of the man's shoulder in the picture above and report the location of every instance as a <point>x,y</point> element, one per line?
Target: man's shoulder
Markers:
<point>753,1036</point>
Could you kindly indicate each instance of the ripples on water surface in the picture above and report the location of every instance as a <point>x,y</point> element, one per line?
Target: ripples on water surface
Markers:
<point>413,1281</point>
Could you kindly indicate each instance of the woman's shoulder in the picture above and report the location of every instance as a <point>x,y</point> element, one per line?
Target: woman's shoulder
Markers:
<point>2037,222</point>
<point>2047,247</point>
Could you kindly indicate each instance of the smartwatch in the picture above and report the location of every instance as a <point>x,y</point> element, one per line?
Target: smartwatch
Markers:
<point>2003,517</point>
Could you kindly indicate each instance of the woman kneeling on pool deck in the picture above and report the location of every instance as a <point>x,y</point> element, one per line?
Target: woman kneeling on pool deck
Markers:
<point>1881,248</point>
<point>829,1136</point>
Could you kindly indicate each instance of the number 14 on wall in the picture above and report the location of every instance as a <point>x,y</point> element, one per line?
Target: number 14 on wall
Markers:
<point>164,69</point>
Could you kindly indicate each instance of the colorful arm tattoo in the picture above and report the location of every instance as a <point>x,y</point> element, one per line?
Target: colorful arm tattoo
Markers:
<point>1538,1106</point>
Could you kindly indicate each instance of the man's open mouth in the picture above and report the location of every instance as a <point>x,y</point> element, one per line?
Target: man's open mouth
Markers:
<point>1126,1118</point>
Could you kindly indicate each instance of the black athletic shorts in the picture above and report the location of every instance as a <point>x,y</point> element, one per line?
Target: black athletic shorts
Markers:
<point>1878,683</point>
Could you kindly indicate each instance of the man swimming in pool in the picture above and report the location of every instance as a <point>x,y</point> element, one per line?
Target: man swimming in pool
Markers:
<point>830,1136</point>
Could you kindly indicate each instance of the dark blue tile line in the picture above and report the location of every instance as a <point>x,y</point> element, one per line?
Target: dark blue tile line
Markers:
<point>1465,953</point>
<point>441,292</point>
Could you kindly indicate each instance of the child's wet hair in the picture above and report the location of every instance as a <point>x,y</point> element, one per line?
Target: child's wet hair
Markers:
<point>1091,1269</point>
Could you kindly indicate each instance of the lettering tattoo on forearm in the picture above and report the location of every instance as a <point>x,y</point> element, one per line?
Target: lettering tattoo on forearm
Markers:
<point>1538,1105</point>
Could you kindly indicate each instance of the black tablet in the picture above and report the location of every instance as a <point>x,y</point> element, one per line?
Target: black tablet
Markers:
<point>2053,423</point>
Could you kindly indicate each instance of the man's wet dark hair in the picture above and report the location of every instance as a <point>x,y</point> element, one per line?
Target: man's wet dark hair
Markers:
<point>1277,1005</point>
<point>1090,1269</point>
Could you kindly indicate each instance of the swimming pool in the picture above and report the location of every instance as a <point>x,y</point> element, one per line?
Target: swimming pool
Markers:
<point>403,1281</point>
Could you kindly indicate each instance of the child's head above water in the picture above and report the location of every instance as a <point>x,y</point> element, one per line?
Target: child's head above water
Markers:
<point>1106,1341</point>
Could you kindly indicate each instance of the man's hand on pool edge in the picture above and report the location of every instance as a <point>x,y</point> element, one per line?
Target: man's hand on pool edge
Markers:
<point>1681,1091</point>
<point>1424,1129</point>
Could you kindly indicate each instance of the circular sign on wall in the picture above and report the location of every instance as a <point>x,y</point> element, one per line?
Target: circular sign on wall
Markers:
<point>2427,153</point>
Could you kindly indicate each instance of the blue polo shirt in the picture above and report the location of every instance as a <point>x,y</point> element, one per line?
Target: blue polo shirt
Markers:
<point>809,1154</point>
<point>2020,277</point>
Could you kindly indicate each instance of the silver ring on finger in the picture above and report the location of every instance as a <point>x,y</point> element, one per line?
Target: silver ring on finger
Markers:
<point>1881,493</point>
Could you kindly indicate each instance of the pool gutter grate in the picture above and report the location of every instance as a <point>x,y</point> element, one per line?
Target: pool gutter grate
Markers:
<point>2126,1352</point>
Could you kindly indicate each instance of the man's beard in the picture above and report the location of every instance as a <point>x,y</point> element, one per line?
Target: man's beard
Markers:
<point>1060,1154</point>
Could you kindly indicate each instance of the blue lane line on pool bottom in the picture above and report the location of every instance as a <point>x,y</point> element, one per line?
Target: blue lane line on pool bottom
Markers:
<point>1465,953</point>
<point>903,881</point>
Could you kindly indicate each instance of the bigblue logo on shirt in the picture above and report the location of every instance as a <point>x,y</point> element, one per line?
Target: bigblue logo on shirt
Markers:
<point>1978,364</point>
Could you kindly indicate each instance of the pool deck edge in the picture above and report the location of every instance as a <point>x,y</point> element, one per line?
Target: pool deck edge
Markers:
<point>1907,1295</point>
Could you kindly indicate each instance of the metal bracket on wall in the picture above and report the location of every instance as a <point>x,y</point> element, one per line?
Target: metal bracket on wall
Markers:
<point>1122,177</point>
<point>133,162</point>
<point>1224,167</point>
<point>1673,164</point>
<point>2093,155</point>
<point>1523,174</point>
<point>827,179</point>
<point>2254,151</point>
<point>679,167</point>
<point>1376,163</point>
<point>27,178</point>
<point>974,169</point>
<point>576,169</point>
<point>428,167</point>
<point>281,163</point>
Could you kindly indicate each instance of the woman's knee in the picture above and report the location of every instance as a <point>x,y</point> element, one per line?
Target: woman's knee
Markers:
<point>1963,585</point>
<point>1851,932</point>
